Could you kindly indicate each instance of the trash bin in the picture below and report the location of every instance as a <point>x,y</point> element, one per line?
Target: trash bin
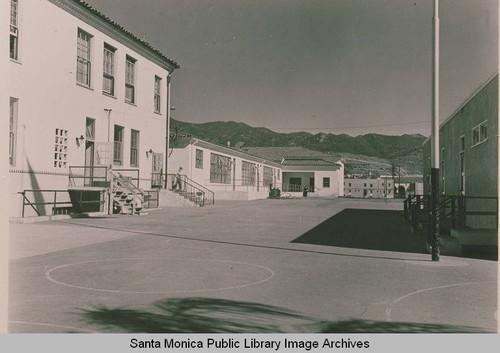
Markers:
<point>274,194</point>
<point>304,193</point>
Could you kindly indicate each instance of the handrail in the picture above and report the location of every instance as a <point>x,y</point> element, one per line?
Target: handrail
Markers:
<point>93,178</point>
<point>207,195</point>
<point>54,202</point>
<point>452,208</point>
<point>118,178</point>
<point>194,183</point>
<point>148,200</point>
<point>135,170</point>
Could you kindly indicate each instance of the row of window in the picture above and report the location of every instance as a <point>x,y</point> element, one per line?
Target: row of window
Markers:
<point>371,185</point>
<point>297,181</point>
<point>84,63</point>
<point>84,70</point>
<point>364,190</point>
<point>220,170</point>
<point>479,135</point>
<point>118,146</point>
<point>61,141</point>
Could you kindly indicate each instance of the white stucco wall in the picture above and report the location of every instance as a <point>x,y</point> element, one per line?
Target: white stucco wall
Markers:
<point>44,82</point>
<point>186,157</point>
<point>336,175</point>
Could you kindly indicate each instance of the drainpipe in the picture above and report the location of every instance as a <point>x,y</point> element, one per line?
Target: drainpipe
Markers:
<point>167,143</point>
<point>111,162</point>
<point>234,174</point>
<point>109,121</point>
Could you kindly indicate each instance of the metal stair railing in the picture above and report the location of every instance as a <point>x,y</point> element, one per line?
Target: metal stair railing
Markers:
<point>452,209</point>
<point>85,176</point>
<point>119,181</point>
<point>54,203</point>
<point>192,190</point>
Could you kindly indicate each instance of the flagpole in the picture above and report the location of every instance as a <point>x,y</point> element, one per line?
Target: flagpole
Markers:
<point>435,137</point>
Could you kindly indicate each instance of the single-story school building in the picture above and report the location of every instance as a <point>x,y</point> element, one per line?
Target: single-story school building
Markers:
<point>250,173</point>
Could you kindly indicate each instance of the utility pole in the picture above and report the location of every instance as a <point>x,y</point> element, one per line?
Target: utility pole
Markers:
<point>435,136</point>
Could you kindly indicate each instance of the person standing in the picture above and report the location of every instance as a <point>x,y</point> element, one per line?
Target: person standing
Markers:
<point>178,181</point>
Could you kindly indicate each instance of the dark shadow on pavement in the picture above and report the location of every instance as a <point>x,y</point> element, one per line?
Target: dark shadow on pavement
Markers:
<point>208,315</point>
<point>365,229</point>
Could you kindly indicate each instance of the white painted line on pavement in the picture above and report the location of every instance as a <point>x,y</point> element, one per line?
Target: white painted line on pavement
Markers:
<point>50,325</point>
<point>395,302</point>
<point>47,275</point>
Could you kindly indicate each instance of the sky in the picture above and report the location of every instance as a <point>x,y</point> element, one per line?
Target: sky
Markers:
<point>332,66</point>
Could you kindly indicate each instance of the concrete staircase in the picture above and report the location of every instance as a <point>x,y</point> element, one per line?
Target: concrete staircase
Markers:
<point>192,196</point>
<point>170,198</point>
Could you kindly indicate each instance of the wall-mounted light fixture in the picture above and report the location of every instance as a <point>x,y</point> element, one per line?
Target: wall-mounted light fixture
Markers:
<point>149,152</point>
<point>79,140</point>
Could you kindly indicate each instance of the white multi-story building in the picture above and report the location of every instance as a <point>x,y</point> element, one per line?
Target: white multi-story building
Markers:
<point>83,92</point>
<point>382,187</point>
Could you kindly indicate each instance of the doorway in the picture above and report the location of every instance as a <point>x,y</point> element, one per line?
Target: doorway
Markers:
<point>89,152</point>
<point>156,170</point>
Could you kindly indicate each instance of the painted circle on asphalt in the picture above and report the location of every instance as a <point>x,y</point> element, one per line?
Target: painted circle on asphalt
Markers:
<point>440,263</point>
<point>39,327</point>
<point>460,301</point>
<point>158,275</point>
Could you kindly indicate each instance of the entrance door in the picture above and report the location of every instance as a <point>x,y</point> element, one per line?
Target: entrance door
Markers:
<point>311,184</point>
<point>89,163</point>
<point>157,170</point>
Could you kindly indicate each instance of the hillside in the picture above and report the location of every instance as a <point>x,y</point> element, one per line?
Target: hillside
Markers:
<point>363,154</point>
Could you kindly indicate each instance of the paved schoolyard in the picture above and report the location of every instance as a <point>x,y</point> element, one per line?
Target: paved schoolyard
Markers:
<point>297,265</point>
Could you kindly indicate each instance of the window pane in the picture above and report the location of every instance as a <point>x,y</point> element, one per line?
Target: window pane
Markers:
<point>220,169</point>
<point>484,132</point>
<point>83,58</point>
<point>117,145</point>
<point>134,148</point>
<point>13,13</point>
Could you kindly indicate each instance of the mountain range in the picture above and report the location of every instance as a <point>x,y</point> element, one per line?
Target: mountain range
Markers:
<point>372,153</point>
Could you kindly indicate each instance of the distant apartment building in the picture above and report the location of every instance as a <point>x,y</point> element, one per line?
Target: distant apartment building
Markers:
<point>382,187</point>
<point>84,92</point>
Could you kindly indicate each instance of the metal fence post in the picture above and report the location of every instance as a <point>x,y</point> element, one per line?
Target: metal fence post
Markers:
<point>55,203</point>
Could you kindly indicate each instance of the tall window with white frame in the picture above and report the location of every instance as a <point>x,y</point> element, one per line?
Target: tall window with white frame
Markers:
<point>14,29</point>
<point>480,133</point>
<point>13,131</point>
<point>199,159</point>
<point>248,173</point>
<point>134,148</point>
<point>268,177</point>
<point>220,169</point>
<point>130,80</point>
<point>83,65</point>
<point>157,97</point>
<point>462,164</point>
<point>108,72</point>
<point>118,145</point>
